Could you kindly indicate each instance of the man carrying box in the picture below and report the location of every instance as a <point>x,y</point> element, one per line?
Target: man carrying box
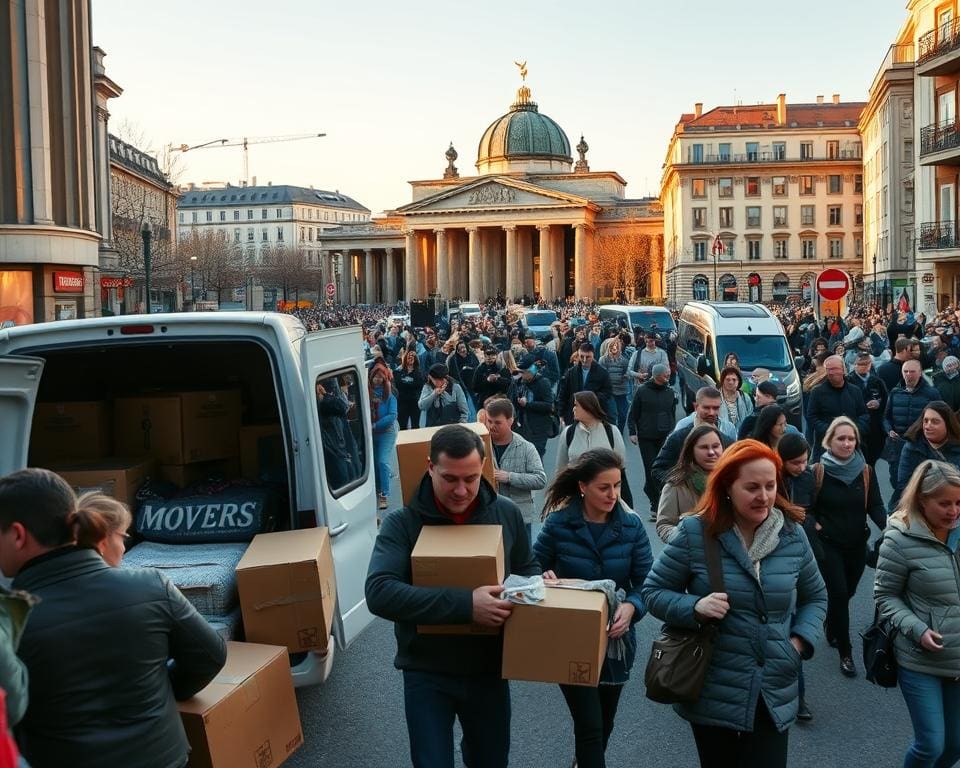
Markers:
<point>450,675</point>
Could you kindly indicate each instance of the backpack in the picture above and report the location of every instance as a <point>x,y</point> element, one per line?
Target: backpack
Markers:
<point>818,480</point>
<point>570,434</point>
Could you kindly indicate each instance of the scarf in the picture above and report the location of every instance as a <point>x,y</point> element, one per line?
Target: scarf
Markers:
<point>765,538</point>
<point>698,480</point>
<point>845,471</point>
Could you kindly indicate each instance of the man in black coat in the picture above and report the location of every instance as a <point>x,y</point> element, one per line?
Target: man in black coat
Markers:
<point>489,378</point>
<point>890,371</point>
<point>449,676</point>
<point>706,411</point>
<point>653,415</point>
<point>587,375</point>
<point>833,397</point>
<point>875,397</point>
<point>108,650</point>
<point>532,398</point>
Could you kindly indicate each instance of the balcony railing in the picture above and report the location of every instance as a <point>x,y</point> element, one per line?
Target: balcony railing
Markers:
<point>938,235</point>
<point>936,42</point>
<point>939,137</point>
<point>770,157</point>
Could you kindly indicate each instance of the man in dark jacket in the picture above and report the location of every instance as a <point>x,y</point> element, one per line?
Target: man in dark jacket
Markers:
<point>833,397</point>
<point>706,411</point>
<point>489,378</point>
<point>532,401</point>
<point>947,382</point>
<point>448,676</point>
<point>904,406</point>
<point>108,650</point>
<point>546,359</point>
<point>653,415</point>
<point>587,375</point>
<point>889,372</point>
<point>875,397</point>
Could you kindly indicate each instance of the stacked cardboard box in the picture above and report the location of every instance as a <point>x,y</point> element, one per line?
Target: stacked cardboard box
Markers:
<point>413,451</point>
<point>288,590</point>
<point>119,478</point>
<point>71,431</point>
<point>561,640</point>
<point>463,556</point>
<point>179,427</point>
<point>248,715</point>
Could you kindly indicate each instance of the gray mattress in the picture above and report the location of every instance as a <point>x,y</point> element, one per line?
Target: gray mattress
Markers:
<point>204,573</point>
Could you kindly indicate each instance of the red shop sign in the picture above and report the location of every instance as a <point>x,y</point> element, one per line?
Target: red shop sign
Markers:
<point>68,282</point>
<point>116,282</point>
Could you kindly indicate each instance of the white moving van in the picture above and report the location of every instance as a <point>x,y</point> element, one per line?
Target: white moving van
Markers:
<point>278,369</point>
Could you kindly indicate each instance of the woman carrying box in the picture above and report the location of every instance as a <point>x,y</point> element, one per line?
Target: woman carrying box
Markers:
<point>587,534</point>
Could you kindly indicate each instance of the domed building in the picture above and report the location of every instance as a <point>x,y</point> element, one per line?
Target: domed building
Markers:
<point>532,221</point>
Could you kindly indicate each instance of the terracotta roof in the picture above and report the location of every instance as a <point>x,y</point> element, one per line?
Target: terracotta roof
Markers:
<point>765,116</point>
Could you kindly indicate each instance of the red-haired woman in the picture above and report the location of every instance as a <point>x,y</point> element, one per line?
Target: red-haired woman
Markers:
<point>750,698</point>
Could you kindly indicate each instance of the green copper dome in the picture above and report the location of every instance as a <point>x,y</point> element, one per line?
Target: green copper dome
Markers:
<point>523,134</point>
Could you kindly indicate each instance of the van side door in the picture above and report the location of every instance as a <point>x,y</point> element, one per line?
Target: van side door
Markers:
<point>19,382</point>
<point>341,450</point>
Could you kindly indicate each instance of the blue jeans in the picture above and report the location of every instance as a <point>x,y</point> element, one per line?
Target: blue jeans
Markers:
<point>623,408</point>
<point>384,444</point>
<point>482,704</point>
<point>934,706</point>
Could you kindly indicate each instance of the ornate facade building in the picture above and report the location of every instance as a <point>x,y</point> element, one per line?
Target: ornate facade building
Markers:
<point>530,222</point>
<point>759,198</point>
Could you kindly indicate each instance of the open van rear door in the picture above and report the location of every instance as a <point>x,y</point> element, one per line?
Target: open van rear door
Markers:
<point>341,449</point>
<point>19,382</point>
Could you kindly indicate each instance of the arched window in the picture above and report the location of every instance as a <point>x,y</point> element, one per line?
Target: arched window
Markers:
<point>728,287</point>
<point>781,287</point>
<point>701,288</point>
<point>806,287</point>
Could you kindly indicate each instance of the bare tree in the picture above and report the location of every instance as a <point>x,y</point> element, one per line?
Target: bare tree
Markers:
<point>215,264</point>
<point>286,270</point>
<point>625,260</point>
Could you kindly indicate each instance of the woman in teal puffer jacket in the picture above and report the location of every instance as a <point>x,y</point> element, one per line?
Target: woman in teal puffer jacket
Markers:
<point>917,589</point>
<point>769,615</point>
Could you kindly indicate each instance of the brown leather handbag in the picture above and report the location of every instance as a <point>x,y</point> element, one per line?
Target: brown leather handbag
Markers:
<point>680,657</point>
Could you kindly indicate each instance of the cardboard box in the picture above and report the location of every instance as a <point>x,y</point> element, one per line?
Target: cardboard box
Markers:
<point>413,450</point>
<point>77,431</point>
<point>288,590</point>
<point>185,475</point>
<point>464,556</point>
<point>248,715</point>
<point>179,427</point>
<point>262,457</point>
<point>561,640</point>
<point>119,478</point>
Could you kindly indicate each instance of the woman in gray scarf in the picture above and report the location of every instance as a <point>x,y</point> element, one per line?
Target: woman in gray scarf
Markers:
<point>846,494</point>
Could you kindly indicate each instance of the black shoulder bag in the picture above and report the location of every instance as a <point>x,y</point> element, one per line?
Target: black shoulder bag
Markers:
<point>680,657</point>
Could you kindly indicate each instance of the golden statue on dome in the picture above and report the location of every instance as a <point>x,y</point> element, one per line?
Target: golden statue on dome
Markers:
<point>523,70</point>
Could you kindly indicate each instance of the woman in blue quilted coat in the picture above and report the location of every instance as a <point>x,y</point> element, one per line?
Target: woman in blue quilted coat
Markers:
<point>769,615</point>
<point>588,534</point>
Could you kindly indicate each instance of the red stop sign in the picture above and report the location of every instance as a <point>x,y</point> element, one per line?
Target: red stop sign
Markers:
<point>833,284</point>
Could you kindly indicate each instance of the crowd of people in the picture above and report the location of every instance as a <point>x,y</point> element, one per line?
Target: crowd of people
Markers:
<point>789,507</point>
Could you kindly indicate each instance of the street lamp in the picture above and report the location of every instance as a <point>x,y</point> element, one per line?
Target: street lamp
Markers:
<point>336,282</point>
<point>147,233</point>
<point>875,277</point>
<point>356,283</point>
<point>552,294</point>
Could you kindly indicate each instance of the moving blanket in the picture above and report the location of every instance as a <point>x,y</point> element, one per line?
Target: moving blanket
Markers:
<point>205,573</point>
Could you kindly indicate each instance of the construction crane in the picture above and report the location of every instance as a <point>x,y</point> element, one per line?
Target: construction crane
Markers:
<point>245,142</point>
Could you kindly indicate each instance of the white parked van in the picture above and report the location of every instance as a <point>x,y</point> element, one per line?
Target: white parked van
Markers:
<point>278,369</point>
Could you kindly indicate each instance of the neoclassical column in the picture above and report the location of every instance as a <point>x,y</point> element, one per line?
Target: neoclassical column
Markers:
<point>347,295</point>
<point>443,264</point>
<point>476,265</point>
<point>411,268</point>
<point>580,275</point>
<point>389,277</point>
<point>369,277</point>
<point>512,289</point>
<point>546,263</point>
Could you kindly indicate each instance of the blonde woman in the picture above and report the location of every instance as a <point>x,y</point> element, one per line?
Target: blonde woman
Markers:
<point>917,591</point>
<point>102,524</point>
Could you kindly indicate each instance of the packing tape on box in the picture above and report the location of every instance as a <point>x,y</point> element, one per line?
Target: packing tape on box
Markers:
<point>304,597</point>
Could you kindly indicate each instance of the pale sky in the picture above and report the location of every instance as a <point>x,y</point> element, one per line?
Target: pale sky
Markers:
<point>392,83</point>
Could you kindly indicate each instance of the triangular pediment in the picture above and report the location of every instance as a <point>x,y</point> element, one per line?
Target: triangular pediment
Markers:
<point>496,193</point>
